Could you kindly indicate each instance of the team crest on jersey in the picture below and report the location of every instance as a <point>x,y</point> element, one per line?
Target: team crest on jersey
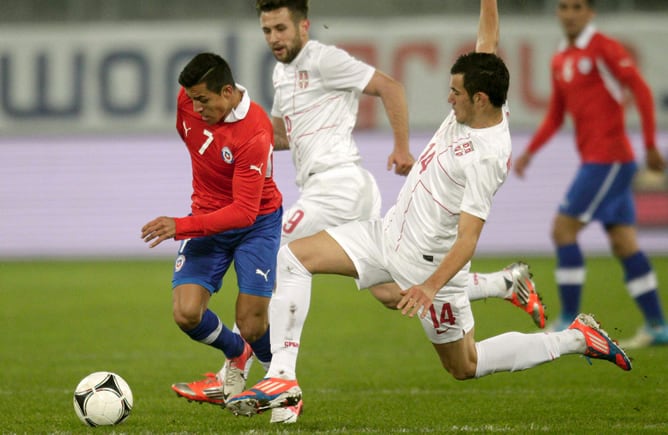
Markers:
<point>462,149</point>
<point>584,65</point>
<point>302,80</point>
<point>180,261</point>
<point>227,155</point>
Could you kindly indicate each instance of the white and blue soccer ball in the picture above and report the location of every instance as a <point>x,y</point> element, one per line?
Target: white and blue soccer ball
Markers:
<point>103,399</point>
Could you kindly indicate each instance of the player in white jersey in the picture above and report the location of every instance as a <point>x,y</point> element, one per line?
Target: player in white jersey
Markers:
<point>439,212</point>
<point>317,92</point>
<point>314,112</point>
<point>425,244</point>
<point>315,104</point>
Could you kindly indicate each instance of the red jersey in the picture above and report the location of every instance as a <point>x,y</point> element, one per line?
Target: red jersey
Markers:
<point>588,80</point>
<point>232,168</point>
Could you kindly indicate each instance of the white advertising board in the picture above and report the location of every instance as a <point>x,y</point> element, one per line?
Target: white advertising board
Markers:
<point>111,78</point>
<point>88,196</point>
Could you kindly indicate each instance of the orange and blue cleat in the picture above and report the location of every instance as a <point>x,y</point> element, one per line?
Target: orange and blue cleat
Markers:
<point>267,394</point>
<point>599,344</point>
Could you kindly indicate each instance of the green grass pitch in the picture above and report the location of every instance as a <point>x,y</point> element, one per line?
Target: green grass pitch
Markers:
<point>363,368</point>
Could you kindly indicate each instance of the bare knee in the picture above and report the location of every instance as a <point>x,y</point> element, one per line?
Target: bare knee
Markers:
<point>187,319</point>
<point>461,372</point>
<point>189,301</point>
<point>623,241</point>
<point>387,294</point>
<point>619,250</point>
<point>565,230</point>
<point>252,328</point>
<point>459,358</point>
<point>252,316</point>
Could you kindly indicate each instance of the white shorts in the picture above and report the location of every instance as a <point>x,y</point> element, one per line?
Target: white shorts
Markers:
<point>450,316</point>
<point>332,198</point>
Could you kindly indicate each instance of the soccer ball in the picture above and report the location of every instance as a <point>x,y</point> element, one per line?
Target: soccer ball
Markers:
<point>102,399</point>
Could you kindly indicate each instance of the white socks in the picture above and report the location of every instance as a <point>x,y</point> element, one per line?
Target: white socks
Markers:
<point>514,351</point>
<point>511,351</point>
<point>287,313</point>
<point>487,285</point>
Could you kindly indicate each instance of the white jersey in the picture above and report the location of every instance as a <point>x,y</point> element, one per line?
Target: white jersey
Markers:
<point>459,171</point>
<point>317,96</point>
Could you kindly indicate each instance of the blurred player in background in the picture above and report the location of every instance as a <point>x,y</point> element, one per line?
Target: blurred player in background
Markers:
<point>317,92</point>
<point>425,243</point>
<point>236,213</point>
<point>589,74</point>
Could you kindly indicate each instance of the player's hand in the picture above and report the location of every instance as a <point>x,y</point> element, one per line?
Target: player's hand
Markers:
<point>402,162</point>
<point>158,230</point>
<point>655,160</point>
<point>416,298</point>
<point>521,164</point>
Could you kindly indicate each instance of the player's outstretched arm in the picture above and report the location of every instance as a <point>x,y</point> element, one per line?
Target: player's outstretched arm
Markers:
<point>393,96</point>
<point>488,27</point>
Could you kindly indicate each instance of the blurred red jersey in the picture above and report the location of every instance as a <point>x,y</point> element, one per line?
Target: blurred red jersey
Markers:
<point>232,166</point>
<point>588,81</point>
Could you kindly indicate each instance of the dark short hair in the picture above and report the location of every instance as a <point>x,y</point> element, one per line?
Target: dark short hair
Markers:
<point>486,73</point>
<point>590,3</point>
<point>208,68</point>
<point>298,8</point>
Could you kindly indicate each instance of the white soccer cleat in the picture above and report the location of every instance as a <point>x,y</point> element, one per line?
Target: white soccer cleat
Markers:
<point>235,372</point>
<point>287,415</point>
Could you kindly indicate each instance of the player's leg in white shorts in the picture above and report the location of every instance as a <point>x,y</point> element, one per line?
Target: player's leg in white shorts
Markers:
<point>330,199</point>
<point>450,316</point>
<point>362,242</point>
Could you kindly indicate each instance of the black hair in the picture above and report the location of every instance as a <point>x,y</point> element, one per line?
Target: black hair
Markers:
<point>591,4</point>
<point>207,68</point>
<point>486,73</point>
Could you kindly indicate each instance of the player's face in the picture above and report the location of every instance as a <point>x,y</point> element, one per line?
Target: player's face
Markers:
<point>285,37</point>
<point>460,100</point>
<point>574,15</point>
<point>211,106</point>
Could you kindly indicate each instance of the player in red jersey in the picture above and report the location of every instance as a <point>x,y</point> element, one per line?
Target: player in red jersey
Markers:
<point>589,75</point>
<point>236,214</point>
